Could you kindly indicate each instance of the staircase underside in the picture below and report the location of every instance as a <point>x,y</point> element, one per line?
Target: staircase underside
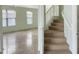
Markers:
<point>55,42</point>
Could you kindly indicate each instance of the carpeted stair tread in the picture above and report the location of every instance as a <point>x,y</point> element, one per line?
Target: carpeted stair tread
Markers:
<point>57,24</point>
<point>55,42</point>
<point>56,28</point>
<point>52,31</point>
<point>58,52</point>
<point>58,21</point>
<point>52,47</point>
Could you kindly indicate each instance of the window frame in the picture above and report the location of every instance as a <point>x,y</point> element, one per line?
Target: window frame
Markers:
<point>29,17</point>
<point>7,18</point>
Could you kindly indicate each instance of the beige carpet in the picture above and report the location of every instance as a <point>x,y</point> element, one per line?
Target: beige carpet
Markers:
<point>55,42</point>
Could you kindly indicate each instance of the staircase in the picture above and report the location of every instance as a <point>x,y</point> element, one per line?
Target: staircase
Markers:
<point>55,42</point>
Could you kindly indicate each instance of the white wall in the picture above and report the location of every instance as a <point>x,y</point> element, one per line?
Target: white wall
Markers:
<point>48,7</point>
<point>28,6</point>
<point>70,26</point>
<point>41,29</point>
<point>21,20</point>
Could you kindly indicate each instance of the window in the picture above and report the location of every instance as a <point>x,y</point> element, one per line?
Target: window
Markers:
<point>29,17</point>
<point>8,18</point>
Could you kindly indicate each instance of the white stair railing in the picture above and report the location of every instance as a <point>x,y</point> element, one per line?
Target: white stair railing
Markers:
<point>50,14</point>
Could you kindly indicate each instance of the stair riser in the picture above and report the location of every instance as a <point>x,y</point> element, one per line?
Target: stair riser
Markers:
<point>53,28</point>
<point>58,52</point>
<point>53,35</point>
<point>56,48</point>
<point>59,25</point>
<point>55,41</point>
<point>57,28</point>
<point>57,21</point>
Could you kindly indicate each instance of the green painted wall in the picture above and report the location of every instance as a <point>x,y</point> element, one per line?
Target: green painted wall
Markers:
<point>21,23</point>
